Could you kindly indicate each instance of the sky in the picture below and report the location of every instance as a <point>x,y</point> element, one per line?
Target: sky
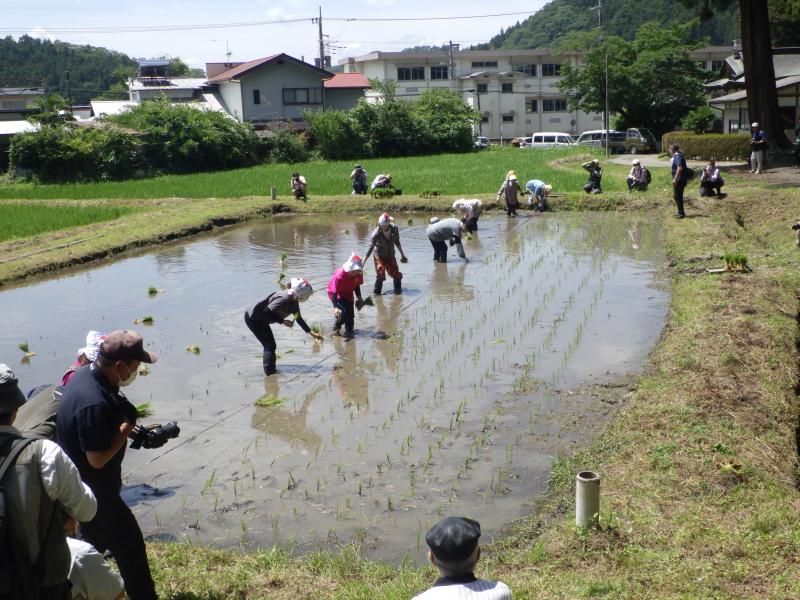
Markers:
<point>103,24</point>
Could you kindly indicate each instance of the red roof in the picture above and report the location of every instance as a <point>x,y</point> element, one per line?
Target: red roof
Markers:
<point>347,80</point>
<point>245,67</point>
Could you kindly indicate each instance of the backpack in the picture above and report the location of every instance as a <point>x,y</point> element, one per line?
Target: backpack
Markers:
<point>647,176</point>
<point>17,578</point>
<point>690,173</point>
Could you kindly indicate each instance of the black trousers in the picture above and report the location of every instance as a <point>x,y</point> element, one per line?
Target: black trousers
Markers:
<point>472,225</point>
<point>439,251</point>
<point>347,316</point>
<point>677,195</point>
<point>263,332</point>
<point>115,528</point>
<point>707,188</point>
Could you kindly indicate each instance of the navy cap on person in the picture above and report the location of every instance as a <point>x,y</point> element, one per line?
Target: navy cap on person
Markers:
<point>125,345</point>
<point>453,539</point>
<point>11,397</point>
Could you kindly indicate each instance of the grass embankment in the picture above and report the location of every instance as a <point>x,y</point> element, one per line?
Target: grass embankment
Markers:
<point>156,217</point>
<point>454,174</point>
<point>699,492</point>
<point>24,220</point>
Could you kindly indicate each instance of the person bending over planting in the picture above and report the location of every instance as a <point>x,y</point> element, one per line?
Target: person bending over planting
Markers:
<point>471,211</point>
<point>538,191</point>
<point>275,308</point>
<point>344,291</point>
<point>441,231</point>
<point>385,237</point>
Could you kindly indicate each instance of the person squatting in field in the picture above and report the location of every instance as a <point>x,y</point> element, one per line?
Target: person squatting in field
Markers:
<point>344,292</point>
<point>538,190</point>
<point>358,177</point>
<point>471,211</point>
<point>383,241</point>
<point>441,231</point>
<point>275,308</point>
<point>509,191</point>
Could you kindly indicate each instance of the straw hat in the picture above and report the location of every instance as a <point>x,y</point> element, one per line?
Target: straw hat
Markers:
<point>511,175</point>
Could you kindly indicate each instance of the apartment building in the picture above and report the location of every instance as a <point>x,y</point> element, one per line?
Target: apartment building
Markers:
<point>515,91</point>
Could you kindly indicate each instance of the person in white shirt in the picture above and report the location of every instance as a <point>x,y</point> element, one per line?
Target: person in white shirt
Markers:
<point>637,177</point>
<point>92,578</point>
<point>454,550</point>
<point>711,181</point>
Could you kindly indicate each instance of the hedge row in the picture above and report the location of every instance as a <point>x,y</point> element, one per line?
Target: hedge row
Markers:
<point>708,145</point>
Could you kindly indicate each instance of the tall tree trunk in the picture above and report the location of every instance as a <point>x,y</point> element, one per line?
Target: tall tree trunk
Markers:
<point>759,70</point>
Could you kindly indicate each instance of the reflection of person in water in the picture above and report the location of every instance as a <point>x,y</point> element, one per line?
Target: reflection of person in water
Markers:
<point>635,235</point>
<point>348,377</point>
<point>448,286</point>
<point>286,422</point>
<point>391,344</point>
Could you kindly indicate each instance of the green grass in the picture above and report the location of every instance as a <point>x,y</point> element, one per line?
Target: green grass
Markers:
<point>23,220</point>
<point>450,174</point>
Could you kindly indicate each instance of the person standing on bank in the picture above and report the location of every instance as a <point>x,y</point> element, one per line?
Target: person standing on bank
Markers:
<point>344,292</point>
<point>758,147</point>
<point>93,423</point>
<point>441,231</point>
<point>383,241</point>
<point>275,308</point>
<point>454,551</point>
<point>40,483</point>
<point>678,177</point>
<point>509,191</point>
<point>538,190</point>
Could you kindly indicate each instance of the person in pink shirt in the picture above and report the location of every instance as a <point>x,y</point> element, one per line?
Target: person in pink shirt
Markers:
<point>86,355</point>
<point>344,291</point>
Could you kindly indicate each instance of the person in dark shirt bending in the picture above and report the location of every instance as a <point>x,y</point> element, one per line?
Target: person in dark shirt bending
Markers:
<point>275,308</point>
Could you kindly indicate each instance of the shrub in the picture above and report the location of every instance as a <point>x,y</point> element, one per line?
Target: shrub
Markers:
<point>335,134</point>
<point>710,145</point>
<point>286,147</point>
<point>700,120</point>
<point>60,154</point>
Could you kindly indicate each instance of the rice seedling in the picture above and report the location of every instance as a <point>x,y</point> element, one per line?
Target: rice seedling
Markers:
<point>270,400</point>
<point>284,256</point>
<point>346,231</point>
<point>145,320</point>
<point>143,410</point>
<point>368,301</point>
<point>210,481</point>
<point>152,291</point>
<point>25,349</point>
<point>194,349</point>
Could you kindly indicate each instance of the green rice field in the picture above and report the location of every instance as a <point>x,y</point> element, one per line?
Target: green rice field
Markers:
<point>23,220</point>
<point>462,174</point>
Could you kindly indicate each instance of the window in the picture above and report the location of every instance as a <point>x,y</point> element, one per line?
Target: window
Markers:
<point>410,73</point>
<point>716,65</point>
<point>482,88</point>
<point>256,97</point>
<point>508,118</point>
<point>531,106</point>
<point>554,105</point>
<point>733,126</point>
<point>484,64</point>
<point>529,69</point>
<point>302,96</point>
<point>551,70</point>
<point>484,118</point>
<point>508,88</point>
<point>439,72</point>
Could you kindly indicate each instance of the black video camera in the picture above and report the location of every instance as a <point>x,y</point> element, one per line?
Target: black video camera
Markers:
<point>154,436</point>
<point>796,226</point>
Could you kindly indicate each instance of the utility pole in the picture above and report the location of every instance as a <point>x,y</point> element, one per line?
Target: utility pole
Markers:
<point>599,9</point>
<point>69,94</point>
<point>321,41</point>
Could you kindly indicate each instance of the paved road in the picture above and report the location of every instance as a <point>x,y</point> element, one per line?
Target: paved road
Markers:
<point>655,160</point>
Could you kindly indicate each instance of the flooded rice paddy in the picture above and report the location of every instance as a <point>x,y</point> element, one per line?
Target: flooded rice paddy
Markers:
<point>454,398</point>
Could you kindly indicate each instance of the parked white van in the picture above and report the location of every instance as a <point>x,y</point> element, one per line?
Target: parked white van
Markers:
<point>548,139</point>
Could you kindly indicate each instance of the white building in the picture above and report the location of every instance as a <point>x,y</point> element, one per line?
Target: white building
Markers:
<point>516,91</point>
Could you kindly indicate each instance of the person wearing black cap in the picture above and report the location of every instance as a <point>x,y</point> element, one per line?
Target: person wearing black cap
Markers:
<point>93,423</point>
<point>454,550</point>
<point>38,480</point>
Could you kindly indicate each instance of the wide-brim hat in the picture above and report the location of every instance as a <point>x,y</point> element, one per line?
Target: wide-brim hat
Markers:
<point>548,188</point>
<point>511,175</point>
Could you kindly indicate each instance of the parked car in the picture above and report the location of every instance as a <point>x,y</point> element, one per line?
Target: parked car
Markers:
<point>617,140</point>
<point>548,139</point>
<point>640,139</point>
<point>481,142</point>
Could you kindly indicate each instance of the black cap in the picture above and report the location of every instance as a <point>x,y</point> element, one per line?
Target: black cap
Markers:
<point>11,397</point>
<point>453,539</point>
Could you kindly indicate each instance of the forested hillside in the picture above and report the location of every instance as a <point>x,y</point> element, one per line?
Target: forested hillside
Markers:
<point>32,60</point>
<point>621,17</point>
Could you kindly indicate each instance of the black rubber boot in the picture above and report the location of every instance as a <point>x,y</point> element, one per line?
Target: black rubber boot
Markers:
<point>269,363</point>
<point>378,287</point>
<point>398,288</point>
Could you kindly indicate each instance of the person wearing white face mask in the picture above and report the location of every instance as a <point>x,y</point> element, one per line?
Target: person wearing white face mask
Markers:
<point>93,424</point>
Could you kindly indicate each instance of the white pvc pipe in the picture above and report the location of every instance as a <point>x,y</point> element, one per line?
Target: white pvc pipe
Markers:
<point>587,499</point>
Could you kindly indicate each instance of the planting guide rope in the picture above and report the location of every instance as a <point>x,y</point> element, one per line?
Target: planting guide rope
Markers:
<point>305,371</point>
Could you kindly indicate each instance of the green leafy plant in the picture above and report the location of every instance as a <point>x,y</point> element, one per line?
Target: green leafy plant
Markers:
<point>193,349</point>
<point>368,301</point>
<point>143,410</point>
<point>270,400</point>
<point>24,347</point>
<point>145,320</point>
<point>152,291</point>
<point>735,261</point>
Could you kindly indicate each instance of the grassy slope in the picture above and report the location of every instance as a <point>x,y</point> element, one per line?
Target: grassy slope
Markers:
<point>699,471</point>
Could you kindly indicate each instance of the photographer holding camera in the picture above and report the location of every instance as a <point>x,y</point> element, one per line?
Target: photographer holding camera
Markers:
<point>94,423</point>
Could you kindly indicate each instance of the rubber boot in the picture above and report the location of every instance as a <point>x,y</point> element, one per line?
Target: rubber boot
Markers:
<point>398,288</point>
<point>269,363</point>
<point>378,287</point>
